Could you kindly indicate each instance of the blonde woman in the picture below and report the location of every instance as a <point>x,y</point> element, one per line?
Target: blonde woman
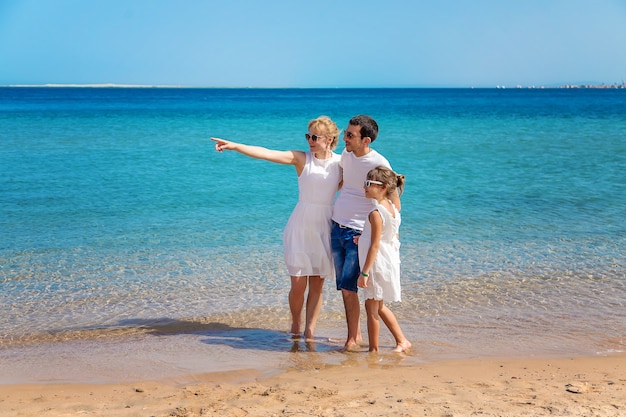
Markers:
<point>306,238</point>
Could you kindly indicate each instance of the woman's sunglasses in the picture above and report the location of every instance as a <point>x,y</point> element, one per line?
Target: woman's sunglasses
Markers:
<point>314,138</point>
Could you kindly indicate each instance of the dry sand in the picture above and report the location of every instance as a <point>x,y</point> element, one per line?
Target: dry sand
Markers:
<point>472,387</point>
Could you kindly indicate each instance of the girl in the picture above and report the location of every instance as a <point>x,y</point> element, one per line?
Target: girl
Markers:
<point>379,256</point>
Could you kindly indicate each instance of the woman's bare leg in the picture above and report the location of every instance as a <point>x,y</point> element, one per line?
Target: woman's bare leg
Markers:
<point>296,302</point>
<point>313,305</point>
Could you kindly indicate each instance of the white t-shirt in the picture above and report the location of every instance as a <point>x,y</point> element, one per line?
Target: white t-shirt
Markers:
<point>351,207</point>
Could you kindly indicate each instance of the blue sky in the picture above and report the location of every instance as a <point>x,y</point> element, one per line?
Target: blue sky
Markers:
<point>325,43</point>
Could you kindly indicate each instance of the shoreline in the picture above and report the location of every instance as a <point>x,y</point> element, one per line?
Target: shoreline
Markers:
<point>178,350</point>
<point>365,386</point>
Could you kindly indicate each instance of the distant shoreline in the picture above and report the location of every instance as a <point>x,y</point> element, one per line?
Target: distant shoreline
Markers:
<point>147,86</point>
<point>109,85</point>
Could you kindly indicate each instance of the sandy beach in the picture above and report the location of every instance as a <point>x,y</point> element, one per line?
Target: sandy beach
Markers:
<point>580,386</point>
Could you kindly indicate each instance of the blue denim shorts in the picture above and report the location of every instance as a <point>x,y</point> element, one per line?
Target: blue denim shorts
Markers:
<point>345,257</point>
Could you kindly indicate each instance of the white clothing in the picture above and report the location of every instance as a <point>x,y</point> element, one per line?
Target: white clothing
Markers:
<point>306,238</point>
<point>352,207</point>
<point>384,277</point>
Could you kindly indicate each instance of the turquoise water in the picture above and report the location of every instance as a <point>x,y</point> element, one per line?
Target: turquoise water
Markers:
<point>118,218</point>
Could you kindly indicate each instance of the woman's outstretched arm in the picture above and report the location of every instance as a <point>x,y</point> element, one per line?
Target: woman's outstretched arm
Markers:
<point>259,152</point>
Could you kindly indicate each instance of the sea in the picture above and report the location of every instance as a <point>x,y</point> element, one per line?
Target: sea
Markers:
<point>130,249</point>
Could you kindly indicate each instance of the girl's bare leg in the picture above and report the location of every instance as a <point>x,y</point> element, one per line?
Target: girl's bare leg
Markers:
<point>402,343</point>
<point>373,323</point>
<point>313,305</point>
<point>296,302</point>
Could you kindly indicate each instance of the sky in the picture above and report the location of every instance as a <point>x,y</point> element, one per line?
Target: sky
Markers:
<point>313,44</point>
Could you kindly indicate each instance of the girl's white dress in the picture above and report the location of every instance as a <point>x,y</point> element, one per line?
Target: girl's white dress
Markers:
<point>384,277</point>
<point>306,238</point>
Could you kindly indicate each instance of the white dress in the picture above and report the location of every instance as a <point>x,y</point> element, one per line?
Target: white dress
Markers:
<point>306,239</point>
<point>384,277</point>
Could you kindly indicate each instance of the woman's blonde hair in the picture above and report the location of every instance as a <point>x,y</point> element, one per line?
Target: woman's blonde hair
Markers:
<point>390,179</point>
<point>328,127</point>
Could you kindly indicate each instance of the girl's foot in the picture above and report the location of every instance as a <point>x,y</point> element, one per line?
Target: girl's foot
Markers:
<point>403,346</point>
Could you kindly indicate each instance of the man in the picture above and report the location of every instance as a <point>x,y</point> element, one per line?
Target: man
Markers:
<point>349,214</point>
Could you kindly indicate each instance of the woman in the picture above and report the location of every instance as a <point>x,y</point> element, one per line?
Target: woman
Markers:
<point>306,238</point>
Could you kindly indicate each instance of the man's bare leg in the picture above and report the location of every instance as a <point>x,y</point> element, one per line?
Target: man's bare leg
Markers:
<point>353,311</point>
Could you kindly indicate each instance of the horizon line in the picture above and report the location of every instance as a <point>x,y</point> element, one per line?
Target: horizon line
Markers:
<point>172,86</point>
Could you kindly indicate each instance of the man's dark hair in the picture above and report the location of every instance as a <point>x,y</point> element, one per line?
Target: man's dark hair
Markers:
<point>369,127</point>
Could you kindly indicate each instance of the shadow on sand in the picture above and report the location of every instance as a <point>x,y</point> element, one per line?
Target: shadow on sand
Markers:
<point>235,337</point>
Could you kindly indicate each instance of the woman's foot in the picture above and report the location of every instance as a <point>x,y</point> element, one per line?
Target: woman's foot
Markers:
<point>308,335</point>
<point>351,347</point>
<point>295,330</point>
